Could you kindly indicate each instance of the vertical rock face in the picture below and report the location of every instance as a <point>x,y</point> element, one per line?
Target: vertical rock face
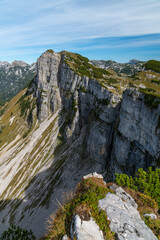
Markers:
<point>132,143</point>
<point>83,101</point>
<point>48,95</point>
<point>137,138</point>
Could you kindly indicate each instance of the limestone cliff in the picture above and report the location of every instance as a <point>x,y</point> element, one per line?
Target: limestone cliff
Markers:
<point>68,123</point>
<point>137,134</point>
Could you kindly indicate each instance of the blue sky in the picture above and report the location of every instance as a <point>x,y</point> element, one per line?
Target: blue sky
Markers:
<point>99,29</point>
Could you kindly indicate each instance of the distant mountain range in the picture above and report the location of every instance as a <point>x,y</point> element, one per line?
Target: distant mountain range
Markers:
<point>14,77</point>
<point>130,68</point>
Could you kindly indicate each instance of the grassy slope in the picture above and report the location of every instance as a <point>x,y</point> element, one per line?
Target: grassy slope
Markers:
<point>109,79</point>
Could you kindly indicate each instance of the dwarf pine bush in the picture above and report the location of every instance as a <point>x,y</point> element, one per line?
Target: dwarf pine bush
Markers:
<point>144,182</point>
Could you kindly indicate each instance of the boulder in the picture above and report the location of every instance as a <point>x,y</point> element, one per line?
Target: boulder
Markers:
<point>87,230</point>
<point>65,237</point>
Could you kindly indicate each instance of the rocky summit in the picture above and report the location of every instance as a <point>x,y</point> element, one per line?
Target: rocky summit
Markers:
<point>74,118</point>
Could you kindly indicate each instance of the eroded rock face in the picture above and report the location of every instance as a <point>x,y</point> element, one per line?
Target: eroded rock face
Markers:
<point>132,143</point>
<point>48,95</point>
<point>124,217</point>
<point>61,89</point>
<point>137,139</point>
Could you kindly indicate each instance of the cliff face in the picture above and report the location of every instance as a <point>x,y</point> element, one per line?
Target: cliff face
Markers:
<point>71,125</point>
<point>137,134</point>
<point>135,138</point>
<point>82,102</point>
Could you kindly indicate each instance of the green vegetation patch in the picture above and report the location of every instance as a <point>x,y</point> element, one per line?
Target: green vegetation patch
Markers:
<point>144,182</point>
<point>82,67</point>
<point>153,224</point>
<point>50,51</point>
<point>155,81</point>
<point>17,233</point>
<point>85,204</point>
<point>151,100</point>
<point>146,192</point>
<point>153,65</point>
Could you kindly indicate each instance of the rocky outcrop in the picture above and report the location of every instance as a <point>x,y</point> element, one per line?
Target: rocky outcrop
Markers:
<point>82,229</point>
<point>124,218</point>
<point>121,211</point>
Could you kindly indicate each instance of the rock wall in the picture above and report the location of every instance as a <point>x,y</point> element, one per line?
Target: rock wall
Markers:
<point>132,143</point>
<point>83,103</point>
<point>137,136</point>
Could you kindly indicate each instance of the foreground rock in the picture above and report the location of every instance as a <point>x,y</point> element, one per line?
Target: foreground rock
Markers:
<point>124,217</point>
<point>88,230</point>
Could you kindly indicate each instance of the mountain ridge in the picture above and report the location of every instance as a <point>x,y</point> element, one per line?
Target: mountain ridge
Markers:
<point>65,125</point>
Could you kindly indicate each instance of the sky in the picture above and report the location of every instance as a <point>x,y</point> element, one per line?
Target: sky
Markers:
<point>119,30</point>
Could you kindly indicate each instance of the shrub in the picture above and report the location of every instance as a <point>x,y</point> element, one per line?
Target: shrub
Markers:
<point>154,225</point>
<point>85,203</point>
<point>151,100</point>
<point>145,182</point>
<point>17,233</point>
<point>153,65</point>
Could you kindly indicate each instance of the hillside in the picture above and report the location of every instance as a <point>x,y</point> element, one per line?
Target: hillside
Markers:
<point>153,65</point>
<point>13,78</point>
<point>72,119</point>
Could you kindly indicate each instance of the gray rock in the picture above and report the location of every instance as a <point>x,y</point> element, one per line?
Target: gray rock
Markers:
<point>113,187</point>
<point>137,139</point>
<point>151,215</point>
<point>124,219</point>
<point>65,237</point>
<point>125,197</point>
<point>85,230</point>
<point>93,175</point>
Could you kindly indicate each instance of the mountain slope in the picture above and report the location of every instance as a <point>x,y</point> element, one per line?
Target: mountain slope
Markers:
<point>69,122</point>
<point>13,78</point>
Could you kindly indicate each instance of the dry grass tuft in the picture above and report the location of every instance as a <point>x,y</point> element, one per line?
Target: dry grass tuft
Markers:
<point>83,211</point>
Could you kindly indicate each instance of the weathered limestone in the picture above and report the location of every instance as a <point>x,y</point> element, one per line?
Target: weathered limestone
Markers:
<point>93,175</point>
<point>150,215</point>
<point>87,230</point>
<point>65,237</point>
<point>124,218</point>
<point>136,141</point>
